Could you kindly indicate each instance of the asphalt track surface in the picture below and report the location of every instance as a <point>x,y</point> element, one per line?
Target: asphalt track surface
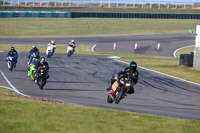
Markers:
<point>147,44</point>
<point>82,80</point>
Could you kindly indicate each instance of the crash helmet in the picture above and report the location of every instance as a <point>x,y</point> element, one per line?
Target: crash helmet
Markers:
<point>42,59</point>
<point>133,65</point>
<point>34,47</point>
<point>52,42</point>
<point>12,49</point>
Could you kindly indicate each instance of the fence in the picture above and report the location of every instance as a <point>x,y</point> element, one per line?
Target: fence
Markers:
<point>185,4</point>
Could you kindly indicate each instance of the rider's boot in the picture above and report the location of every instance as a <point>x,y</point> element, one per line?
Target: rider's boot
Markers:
<point>108,89</point>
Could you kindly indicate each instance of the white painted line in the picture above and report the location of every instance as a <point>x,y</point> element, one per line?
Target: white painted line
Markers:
<point>113,57</point>
<point>6,87</point>
<point>174,54</point>
<point>13,88</point>
<point>92,49</point>
<point>2,51</point>
<point>161,73</point>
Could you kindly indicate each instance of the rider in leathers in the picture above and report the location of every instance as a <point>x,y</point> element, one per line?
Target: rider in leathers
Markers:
<point>72,44</point>
<point>42,63</point>
<point>13,52</point>
<point>133,74</point>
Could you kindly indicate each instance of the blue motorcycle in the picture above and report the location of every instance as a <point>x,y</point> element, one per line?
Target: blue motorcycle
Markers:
<point>11,61</point>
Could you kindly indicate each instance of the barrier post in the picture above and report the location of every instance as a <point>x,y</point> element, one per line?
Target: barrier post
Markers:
<point>196,60</point>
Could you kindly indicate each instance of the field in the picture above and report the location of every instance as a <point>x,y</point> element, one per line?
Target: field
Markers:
<point>37,27</point>
<point>93,9</point>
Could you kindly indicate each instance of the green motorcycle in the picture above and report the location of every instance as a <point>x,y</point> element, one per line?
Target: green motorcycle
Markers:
<point>32,71</point>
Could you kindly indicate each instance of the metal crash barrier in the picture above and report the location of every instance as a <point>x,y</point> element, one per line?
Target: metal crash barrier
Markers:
<point>38,14</point>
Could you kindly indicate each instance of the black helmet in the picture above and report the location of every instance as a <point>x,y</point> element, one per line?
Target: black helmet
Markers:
<point>12,48</point>
<point>133,65</point>
<point>42,58</point>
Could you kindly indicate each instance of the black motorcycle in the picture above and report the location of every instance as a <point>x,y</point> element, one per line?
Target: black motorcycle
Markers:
<point>121,86</point>
<point>41,77</point>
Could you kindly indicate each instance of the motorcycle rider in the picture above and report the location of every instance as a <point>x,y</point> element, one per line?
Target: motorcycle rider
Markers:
<point>13,52</point>
<point>42,63</point>
<point>33,60</point>
<point>133,74</point>
<point>72,44</point>
<point>34,50</point>
<point>52,43</point>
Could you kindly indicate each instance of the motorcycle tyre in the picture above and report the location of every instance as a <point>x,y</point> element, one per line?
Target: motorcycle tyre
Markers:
<point>109,99</point>
<point>10,65</point>
<point>119,98</point>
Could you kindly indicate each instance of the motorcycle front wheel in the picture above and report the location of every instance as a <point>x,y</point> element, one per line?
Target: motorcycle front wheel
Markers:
<point>10,65</point>
<point>119,97</point>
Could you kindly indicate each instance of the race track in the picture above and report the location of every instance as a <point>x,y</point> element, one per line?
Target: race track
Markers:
<point>147,44</point>
<point>82,80</point>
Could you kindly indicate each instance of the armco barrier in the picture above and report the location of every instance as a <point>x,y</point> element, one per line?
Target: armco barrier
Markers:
<point>40,14</point>
<point>134,15</point>
<point>51,14</point>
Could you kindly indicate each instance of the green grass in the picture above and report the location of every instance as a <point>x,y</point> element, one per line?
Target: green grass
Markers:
<point>20,115</point>
<point>165,65</point>
<point>80,9</point>
<point>187,50</point>
<point>53,27</point>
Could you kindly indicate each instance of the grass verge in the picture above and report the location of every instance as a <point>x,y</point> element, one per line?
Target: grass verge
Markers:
<point>53,27</point>
<point>165,65</point>
<point>187,50</point>
<point>19,114</point>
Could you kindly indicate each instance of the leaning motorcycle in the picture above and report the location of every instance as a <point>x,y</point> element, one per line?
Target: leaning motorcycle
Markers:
<point>11,61</point>
<point>118,92</point>
<point>41,77</point>
<point>32,70</point>
<point>70,50</point>
<point>50,50</point>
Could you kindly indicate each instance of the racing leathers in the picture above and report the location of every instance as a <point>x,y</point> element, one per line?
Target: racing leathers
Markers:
<point>133,74</point>
<point>12,53</point>
<point>72,44</point>
<point>44,65</point>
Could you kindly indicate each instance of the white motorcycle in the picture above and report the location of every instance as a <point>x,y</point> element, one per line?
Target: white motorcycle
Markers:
<point>50,50</point>
<point>70,50</point>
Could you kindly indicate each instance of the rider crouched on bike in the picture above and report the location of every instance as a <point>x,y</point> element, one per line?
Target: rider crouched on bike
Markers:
<point>32,60</point>
<point>34,50</point>
<point>52,43</point>
<point>133,74</point>
<point>44,64</point>
<point>72,44</point>
<point>13,52</point>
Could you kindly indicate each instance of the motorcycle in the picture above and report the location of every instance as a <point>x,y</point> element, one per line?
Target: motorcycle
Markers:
<point>70,50</point>
<point>32,70</point>
<point>119,91</point>
<point>50,50</point>
<point>41,77</point>
<point>11,61</point>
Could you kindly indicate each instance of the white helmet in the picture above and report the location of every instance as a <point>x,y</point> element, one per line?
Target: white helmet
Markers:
<point>52,42</point>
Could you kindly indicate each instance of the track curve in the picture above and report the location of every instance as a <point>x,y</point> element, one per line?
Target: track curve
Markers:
<point>82,80</point>
<point>147,44</point>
